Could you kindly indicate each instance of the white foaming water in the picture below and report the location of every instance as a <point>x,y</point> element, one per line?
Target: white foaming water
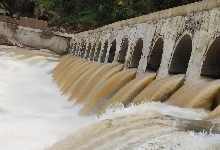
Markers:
<point>185,113</point>
<point>140,128</point>
<point>182,141</point>
<point>33,113</point>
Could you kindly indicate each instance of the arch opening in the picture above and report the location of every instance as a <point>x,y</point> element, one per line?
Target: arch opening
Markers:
<point>92,52</point>
<point>104,52</point>
<point>211,65</point>
<point>74,48</point>
<point>136,54</point>
<point>181,56</point>
<point>82,50</point>
<point>88,51</point>
<point>155,56</point>
<point>97,52</point>
<point>112,52</point>
<point>123,51</point>
<point>78,49</point>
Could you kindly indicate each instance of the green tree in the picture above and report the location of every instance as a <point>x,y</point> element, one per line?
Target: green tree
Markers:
<point>18,7</point>
<point>84,14</point>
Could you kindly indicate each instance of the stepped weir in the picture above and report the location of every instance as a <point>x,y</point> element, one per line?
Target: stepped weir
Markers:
<point>151,82</point>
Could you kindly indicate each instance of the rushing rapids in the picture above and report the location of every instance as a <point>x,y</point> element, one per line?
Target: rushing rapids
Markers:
<point>101,112</point>
<point>34,114</point>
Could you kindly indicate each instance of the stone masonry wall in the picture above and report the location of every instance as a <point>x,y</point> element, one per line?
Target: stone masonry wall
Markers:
<point>200,21</point>
<point>26,22</point>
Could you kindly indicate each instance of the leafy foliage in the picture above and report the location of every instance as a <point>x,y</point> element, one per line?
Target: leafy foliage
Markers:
<point>18,7</point>
<point>87,13</point>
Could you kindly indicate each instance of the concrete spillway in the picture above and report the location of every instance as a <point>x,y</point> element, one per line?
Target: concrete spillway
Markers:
<point>97,86</point>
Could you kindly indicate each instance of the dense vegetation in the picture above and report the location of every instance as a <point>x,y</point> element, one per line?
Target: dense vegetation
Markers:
<point>84,14</point>
<point>18,7</point>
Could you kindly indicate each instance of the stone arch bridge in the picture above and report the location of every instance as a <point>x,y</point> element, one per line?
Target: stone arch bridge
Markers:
<point>181,40</point>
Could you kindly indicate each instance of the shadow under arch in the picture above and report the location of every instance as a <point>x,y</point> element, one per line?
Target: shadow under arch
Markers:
<point>97,52</point>
<point>181,56</point>
<point>82,49</point>
<point>154,59</point>
<point>211,64</point>
<point>104,52</point>
<point>112,52</point>
<point>136,56</point>
<point>74,47</point>
<point>123,50</point>
<point>92,52</point>
<point>77,49</point>
<point>88,51</point>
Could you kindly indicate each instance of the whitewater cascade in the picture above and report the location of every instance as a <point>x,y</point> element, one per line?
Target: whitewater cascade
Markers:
<point>34,114</point>
<point>93,105</point>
